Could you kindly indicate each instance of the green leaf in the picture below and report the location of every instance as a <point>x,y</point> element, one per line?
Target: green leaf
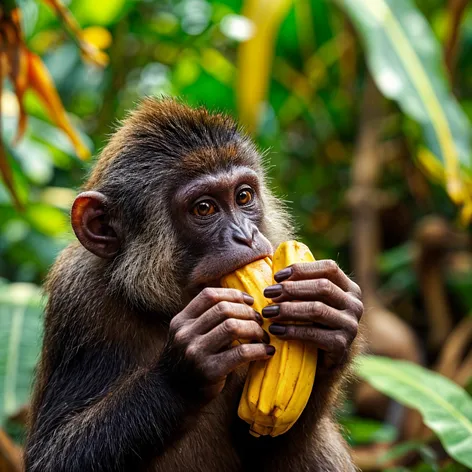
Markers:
<point>427,453</point>
<point>396,258</point>
<point>460,284</point>
<point>104,14</point>
<point>406,62</point>
<point>367,431</point>
<point>20,328</point>
<point>446,408</point>
<point>400,450</point>
<point>47,219</point>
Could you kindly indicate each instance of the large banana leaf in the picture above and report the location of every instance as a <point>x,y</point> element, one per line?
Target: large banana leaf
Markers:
<point>20,332</point>
<point>446,408</point>
<point>255,57</point>
<point>406,62</point>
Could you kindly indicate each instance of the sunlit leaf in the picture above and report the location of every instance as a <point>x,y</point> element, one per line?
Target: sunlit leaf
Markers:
<point>7,176</point>
<point>97,36</point>
<point>255,57</point>
<point>218,66</point>
<point>446,408</point>
<point>20,328</point>
<point>187,70</point>
<point>26,71</point>
<point>59,197</point>
<point>405,60</point>
<point>47,219</point>
<point>165,23</point>
<point>89,50</point>
<point>45,40</point>
<point>18,181</point>
<point>41,82</point>
<point>103,14</point>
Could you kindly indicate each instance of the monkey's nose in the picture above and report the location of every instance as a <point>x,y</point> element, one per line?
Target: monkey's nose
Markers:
<point>243,234</point>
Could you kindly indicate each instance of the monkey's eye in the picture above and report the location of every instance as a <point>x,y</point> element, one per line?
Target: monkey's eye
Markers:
<point>244,196</point>
<point>204,208</point>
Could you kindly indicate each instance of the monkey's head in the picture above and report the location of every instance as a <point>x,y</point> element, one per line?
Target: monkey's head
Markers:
<point>176,200</point>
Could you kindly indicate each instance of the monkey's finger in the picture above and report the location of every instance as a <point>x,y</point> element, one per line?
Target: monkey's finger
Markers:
<point>224,311</point>
<point>227,361</point>
<point>335,342</point>
<point>324,269</point>
<point>312,312</point>
<point>310,290</point>
<point>211,296</point>
<point>231,330</point>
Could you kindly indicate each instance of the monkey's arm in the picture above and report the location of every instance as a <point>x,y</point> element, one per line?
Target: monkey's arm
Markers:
<point>96,412</point>
<point>97,408</point>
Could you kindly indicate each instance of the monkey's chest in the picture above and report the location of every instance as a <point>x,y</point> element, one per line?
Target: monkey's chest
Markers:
<point>208,445</point>
<point>219,441</point>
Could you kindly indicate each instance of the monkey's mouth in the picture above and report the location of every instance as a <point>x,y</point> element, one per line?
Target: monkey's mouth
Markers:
<point>215,279</point>
<point>243,264</point>
<point>213,275</point>
<point>216,264</point>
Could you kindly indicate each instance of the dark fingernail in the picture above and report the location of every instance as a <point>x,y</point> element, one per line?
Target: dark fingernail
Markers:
<point>277,329</point>
<point>259,318</point>
<point>273,291</point>
<point>266,338</point>
<point>270,311</point>
<point>248,299</point>
<point>270,350</point>
<point>283,274</point>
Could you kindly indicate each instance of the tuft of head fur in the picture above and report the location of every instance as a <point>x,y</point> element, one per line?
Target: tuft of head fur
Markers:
<point>158,147</point>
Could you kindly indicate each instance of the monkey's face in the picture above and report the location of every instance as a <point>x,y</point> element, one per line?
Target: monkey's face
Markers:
<point>176,200</point>
<point>199,230</point>
<point>219,218</point>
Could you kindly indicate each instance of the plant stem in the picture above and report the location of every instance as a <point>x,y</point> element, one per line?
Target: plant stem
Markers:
<point>456,14</point>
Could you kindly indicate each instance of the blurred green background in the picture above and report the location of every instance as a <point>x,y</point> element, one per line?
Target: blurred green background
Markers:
<point>360,105</point>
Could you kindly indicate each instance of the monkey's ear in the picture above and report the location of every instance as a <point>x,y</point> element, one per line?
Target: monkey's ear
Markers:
<point>91,225</point>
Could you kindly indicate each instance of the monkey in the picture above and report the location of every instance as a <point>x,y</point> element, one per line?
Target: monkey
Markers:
<point>138,370</point>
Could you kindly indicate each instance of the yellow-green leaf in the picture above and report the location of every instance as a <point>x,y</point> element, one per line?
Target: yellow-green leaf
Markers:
<point>406,62</point>
<point>446,408</point>
<point>255,57</point>
<point>47,219</point>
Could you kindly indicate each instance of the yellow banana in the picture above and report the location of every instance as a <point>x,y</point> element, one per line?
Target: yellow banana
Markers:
<point>252,279</point>
<point>294,389</point>
<point>293,353</point>
<point>276,391</point>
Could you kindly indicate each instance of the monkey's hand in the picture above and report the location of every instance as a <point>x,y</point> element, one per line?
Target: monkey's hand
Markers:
<point>199,353</point>
<point>325,299</point>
